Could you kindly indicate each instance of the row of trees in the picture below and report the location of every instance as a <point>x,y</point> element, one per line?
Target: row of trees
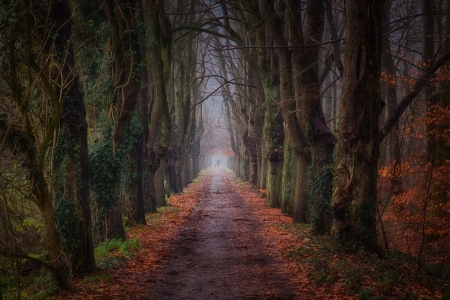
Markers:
<point>106,109</point>
<point>337,89</point>
<point>100,119</point>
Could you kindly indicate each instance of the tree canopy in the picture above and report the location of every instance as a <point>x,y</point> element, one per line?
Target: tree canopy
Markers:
<point>337,112</point>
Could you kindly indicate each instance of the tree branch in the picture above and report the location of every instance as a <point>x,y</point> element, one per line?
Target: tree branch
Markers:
<point>423,81</point>
<point>26,256</point>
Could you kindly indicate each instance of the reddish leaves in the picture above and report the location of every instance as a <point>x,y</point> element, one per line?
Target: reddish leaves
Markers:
<point>131,281</point>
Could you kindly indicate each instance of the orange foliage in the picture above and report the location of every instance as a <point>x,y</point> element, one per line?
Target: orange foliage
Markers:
<point>415,194</point>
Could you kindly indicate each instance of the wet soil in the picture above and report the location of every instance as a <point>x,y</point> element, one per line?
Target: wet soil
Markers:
<point>221,254</point>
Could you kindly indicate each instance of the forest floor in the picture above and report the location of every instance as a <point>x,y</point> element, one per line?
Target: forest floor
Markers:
<point>218,240</point>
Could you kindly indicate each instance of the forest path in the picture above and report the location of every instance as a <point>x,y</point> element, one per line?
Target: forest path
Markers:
<point>221,253</point>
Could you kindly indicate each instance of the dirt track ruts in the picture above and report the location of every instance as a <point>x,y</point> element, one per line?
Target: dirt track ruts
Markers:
<point>220,254</point>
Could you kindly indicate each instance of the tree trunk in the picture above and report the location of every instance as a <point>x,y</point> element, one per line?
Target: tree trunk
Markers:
<point>289,174</point>
<point>173,186</point>
<point>443,130</point>
<point>122,19</point>
<point>309,121</point>
<point>137,213</point>
<point>301,190</point>
<point>390,91</point>
<point>274,139</point>
<point>179,164</point>
<point>159,184</point>
<point>355,182</point>
<point>427,59</point>
<point>153,15</point>
<point>56,256</point>
<point>71,184</point>
<point>311,116</point>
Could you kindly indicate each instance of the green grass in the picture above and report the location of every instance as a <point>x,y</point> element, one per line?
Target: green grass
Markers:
<point>118,246</point>
<point>101,276</point>
<point>168,208</point>
<point>41,284</point>
<point>155,220</point>
<point>114,253</point>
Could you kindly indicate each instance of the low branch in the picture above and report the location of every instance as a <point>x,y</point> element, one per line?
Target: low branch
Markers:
<point>414,16</point>
<point>26,256</point>
<point>276,47</point>
<point>332,119</point>
<point>207,22</point>
<point>217,89</point>
<point>422,82</point>
<point>329,86</point>
<point>212,32</point>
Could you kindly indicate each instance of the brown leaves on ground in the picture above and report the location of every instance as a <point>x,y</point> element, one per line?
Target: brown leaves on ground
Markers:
<point>320,271</point>
<point>325,272</point>
<point>130,281</point>
<point>282,237</point>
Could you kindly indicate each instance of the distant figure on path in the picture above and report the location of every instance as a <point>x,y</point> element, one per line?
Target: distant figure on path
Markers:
<point>218,163</point>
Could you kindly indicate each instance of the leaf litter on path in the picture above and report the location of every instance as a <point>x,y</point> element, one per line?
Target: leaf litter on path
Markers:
<point>221,242</point>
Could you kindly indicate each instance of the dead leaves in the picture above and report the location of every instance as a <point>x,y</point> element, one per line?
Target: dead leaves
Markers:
<point>131,282</point>
<point>310,271</point>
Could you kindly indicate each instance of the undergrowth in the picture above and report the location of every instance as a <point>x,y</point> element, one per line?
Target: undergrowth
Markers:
<point>114,253</point>
<point>369,276</point>
<point>40,285</point>
<point>156,220</point>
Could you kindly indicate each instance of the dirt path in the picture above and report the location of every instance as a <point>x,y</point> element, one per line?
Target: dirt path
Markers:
<point>220,254</point>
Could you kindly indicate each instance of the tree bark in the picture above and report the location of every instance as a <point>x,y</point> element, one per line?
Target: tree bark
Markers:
<point>355,183</point>
<point>274,140</point>
<point>160,185</point>
<point>289,174</point>
<point>153,16</point>
<point>122,18</point>
<point>23,143</point>
<point>443,130</point>
<point>427,59</point>
<point>390,90</point>
<point>137,213</point>
<point>310,113</point>
<point>71,184</point>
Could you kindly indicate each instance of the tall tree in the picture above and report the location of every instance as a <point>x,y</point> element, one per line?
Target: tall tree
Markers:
<point>310,111</point>
<point>442,144</point>
<point>390,88</point>
<point>157,32</point>
<point>122,19</point>
<point>355,181</point>
<point>427,59</point>
<point>73,211</point>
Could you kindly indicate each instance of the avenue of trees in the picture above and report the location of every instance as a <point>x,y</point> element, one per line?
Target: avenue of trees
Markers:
<point>336,111</point>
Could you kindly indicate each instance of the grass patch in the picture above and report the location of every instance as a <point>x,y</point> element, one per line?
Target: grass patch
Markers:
<point>158,219</point>
<point>114,253</point>
<point>102,276</point>
<point>168,209</point>
<point>296,228</point>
